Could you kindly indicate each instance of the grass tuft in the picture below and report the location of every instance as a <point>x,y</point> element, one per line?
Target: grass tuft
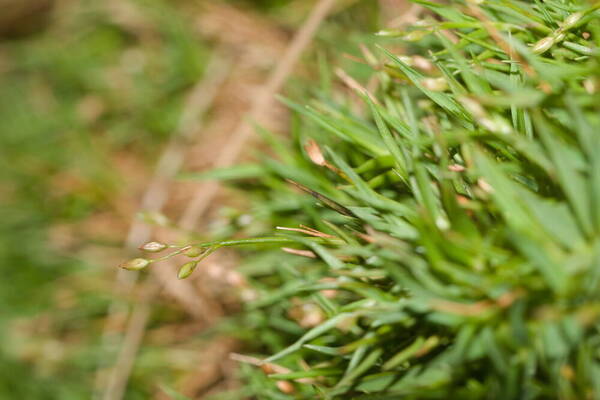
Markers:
<point>460,212</point>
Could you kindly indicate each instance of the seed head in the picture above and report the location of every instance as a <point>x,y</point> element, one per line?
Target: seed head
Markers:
<point>153,247</point>
<point>416,35</point>
<point>571,20</point>
<point>136,264</point>
<point>314,152</point>
<point>422,63</point>
<point>590,86</point>
<point>435,84</point>
<point>186,269</point>
<point>473,107</point>
<point>406,60</point>
<point>193,251</point>
<point>388,33</point>
<point>285,387</point>
<point>156,218</point>
<point>543,45</point>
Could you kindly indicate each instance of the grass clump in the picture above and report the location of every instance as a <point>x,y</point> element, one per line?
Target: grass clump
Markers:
<point>454,248</point>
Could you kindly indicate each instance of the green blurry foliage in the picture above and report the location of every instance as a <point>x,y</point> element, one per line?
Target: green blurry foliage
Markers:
<point>74,99</point>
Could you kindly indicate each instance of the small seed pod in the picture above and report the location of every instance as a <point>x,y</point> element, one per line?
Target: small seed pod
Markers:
<point>559,37</point>
<point>406,60</point>
<point>590,85</point>
<point>193,251</point>
<point>543,45</point>
<point>422,63</point>
<point>314,152</point>
<point>473,107</point>
<point>416,35</point>
<point>388,33</point>
<point>285,386</point>
<point>268,368</point>
<point>482,183</point>
<point>186,269</point>
<point>136,264</point>
<point>571,20</point>
<point>435,84</point>
<point>153,247</point>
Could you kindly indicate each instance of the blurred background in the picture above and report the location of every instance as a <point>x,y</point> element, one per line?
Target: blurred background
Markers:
<point>105,108</point>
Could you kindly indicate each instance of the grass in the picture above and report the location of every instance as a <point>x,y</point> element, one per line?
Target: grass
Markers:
<point>454,225</point>
<point>86,106</point>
